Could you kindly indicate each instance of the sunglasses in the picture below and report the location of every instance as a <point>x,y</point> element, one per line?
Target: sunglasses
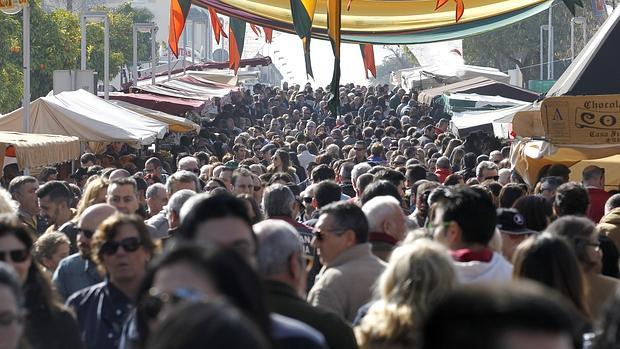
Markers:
<point>257,188</point>
<point>110,248</point>
<point>152,304</point>
<point>320,235</point>
<point>16,256</point>
<point>87,233</point>
<point>307,199</point>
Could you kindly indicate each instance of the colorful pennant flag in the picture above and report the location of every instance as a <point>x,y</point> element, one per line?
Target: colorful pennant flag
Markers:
<point>460,7</point>
<point>268,34</point>
<point>179,9</point>
<point>255,29</point>
<point>216,24</point>
<point>236,39</point>
<point>368,55</point>
<point>334,10</point>
<point>303,15</point>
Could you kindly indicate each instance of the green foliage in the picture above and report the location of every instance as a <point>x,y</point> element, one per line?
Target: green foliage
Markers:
<point>121,39</point>
<point>10,63</point>
<point>519,43</point>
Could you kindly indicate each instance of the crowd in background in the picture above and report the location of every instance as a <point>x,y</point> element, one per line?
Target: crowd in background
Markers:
<point>284,225</point>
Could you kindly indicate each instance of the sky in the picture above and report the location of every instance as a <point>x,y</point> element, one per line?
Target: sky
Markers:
<point>286,52</point>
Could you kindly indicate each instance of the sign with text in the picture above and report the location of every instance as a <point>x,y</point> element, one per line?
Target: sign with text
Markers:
<point>12,6</point>
<point>582,119</point>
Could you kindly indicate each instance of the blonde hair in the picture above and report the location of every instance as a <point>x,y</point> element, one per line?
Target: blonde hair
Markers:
<point>7,204</point>
<point>418,275</point>
<point>91,193</point>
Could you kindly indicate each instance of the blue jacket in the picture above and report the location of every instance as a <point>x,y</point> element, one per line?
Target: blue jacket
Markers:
<point>101,312</point>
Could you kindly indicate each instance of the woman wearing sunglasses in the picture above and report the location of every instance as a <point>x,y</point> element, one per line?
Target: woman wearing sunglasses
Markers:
<point>121,248</point>
<point>47,323</point>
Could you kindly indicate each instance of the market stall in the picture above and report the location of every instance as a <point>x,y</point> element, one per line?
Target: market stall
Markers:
<point>86,116</point>
<point>481,86</point>
<point>36,150</point>
<point>175,123</point>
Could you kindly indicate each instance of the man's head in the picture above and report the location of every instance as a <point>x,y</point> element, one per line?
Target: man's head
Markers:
<point>467,218</point>
<point>487,170</point>
<point>571,199</point>
<point>87,160</point>
<point>278,201</point>
<point>182,180</point>
<point>612,203</point>
<point>123,195</point>
<point>341,226</point>
<point>89,221</point>
<point>153,166</point>
<point>226,174</point>
<point>173,208</point>
<point>242,182</point>
<point>321,173</point>
<point>593,176</point>
<point>548,186</point>
<point>55,199</point>
<point>189,163</point>
<point>385,215</point>
<point>516,316</point>
<point>23,189</point>
<point>512,227</point>
<point>281,254</point>
<point>496,157</point>
<point>156,198</point>
<point>220,219</point>
<point>325,193</point>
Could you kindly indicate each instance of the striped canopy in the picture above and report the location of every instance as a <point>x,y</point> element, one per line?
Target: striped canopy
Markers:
<point>388,21</point>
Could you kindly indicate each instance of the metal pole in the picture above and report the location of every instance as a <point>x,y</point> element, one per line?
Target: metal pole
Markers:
<point>83,42</point>
<point>572,39</point>
<point>106,59</point>
<point>550,44</point>
<point>134,70</point>
<point>169,62</point>
<point>26,67</point>
<point>542,53</point>
<point>153,53</point>
<point>193,41</point>
<point>184,56</point>
<point>207,49</point>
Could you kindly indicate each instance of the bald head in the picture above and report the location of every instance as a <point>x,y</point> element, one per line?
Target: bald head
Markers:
<point>120,173</point>
<point>93,216</point>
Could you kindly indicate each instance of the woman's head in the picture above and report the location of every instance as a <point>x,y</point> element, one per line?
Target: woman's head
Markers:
<point>50,248</point>
<point>15,247</point>
<point>550,260</point>
<point>194,324</point>
<point>94,193</point>
<point>122,247</point>
<point>536,210</point>
<point>418,275</point>
<point>204,272</point>
<point>281,159</point>
<point>583,236</point>
<point>11,308</point>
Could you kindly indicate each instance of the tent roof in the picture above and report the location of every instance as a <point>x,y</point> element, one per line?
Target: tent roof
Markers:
<point>175,123</point>
<point>167,104</point>
<point>90,118</point>
<point>482,86</point>
<point>35,150</point>
<point>594,71</point>
<point>189,87</point>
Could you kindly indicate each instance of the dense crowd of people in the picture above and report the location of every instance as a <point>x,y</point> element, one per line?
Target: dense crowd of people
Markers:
<point>282,225</point>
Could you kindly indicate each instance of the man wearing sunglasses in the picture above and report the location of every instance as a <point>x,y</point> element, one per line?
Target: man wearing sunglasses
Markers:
<point>283,264</point>
<point>350,270</point>
<point>78,270</point>
<point>487,170</point>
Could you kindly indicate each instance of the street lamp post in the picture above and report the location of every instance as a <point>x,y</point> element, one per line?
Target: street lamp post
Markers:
<point>542,51</point>
<point>98,16</point>
<point>144,28</point>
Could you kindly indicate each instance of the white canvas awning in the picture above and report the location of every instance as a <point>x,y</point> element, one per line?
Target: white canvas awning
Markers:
<point>175,123</point>
<point>86,116</point>
<point>35,150</point>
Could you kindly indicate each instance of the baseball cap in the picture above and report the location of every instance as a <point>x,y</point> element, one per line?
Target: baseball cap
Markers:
<point>510,221</point>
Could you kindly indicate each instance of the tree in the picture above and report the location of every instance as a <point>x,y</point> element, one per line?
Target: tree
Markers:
<point>519,43</point>
<point>401,58</point>
<point>10,62</point>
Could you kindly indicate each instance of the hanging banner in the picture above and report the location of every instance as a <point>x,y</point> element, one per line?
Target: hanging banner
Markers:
<point>12,7</point>
<point>582,119</point>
